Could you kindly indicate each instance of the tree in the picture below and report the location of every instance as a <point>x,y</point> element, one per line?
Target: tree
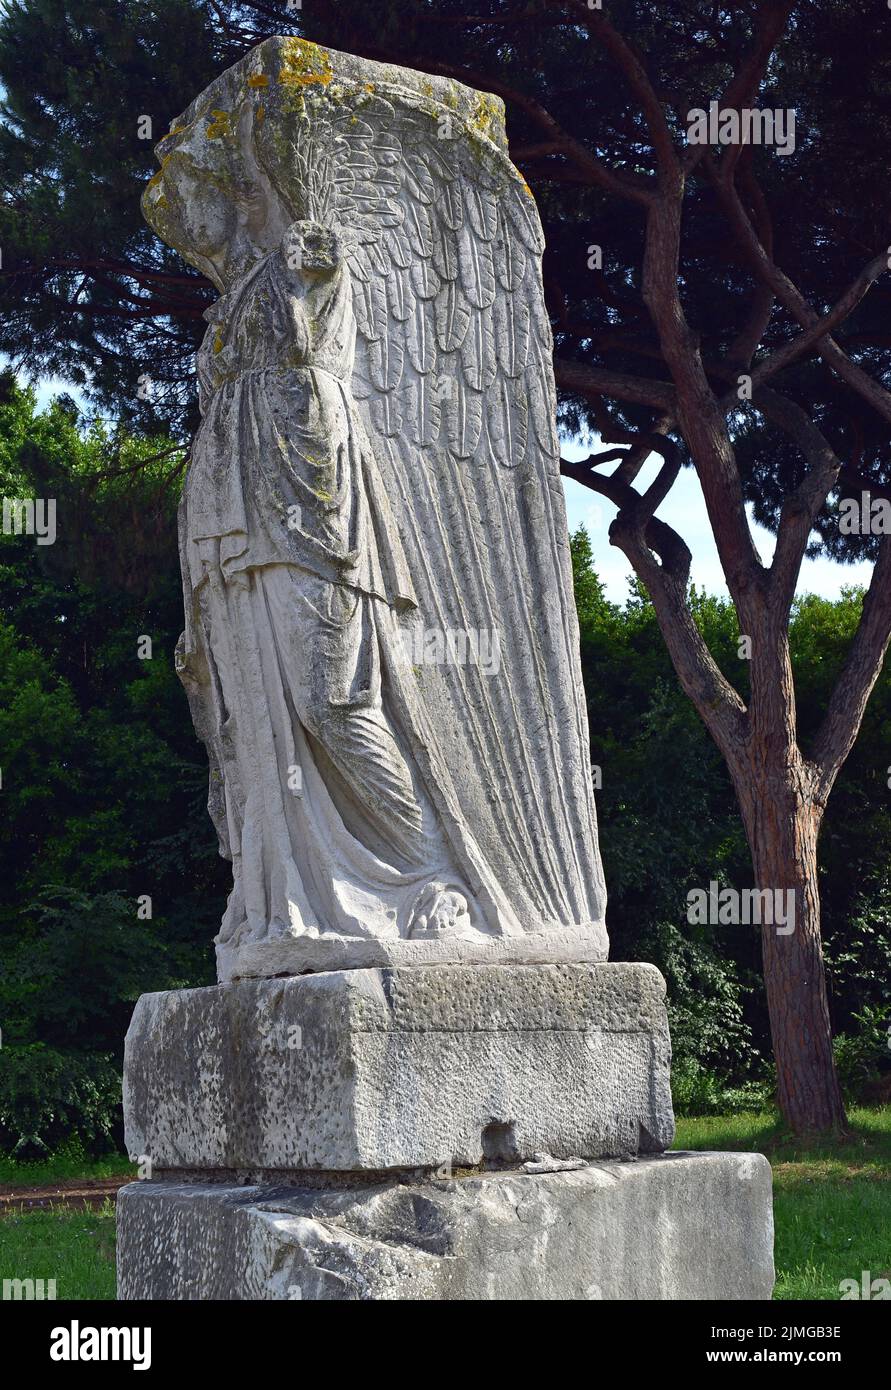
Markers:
<point>715,305</point>
<point>87,290</point>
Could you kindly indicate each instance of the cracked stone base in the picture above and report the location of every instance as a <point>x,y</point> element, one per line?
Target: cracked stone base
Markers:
<point>376,1070</point>
<point>676,1226</point>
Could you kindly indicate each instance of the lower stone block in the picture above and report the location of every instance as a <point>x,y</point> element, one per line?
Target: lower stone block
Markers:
<point>676,1226</point>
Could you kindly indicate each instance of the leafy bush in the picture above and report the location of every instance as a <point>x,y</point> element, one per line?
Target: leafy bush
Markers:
<point>861,1058</point>
<point>695,1091</point>
<point>705,1011</point>
<point>49,1097</point>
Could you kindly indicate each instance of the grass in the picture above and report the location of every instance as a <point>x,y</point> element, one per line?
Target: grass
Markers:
<point>832,1201</point>
<point>76,1248</point>
<point>832,1208</point>
<point>66,1243</point>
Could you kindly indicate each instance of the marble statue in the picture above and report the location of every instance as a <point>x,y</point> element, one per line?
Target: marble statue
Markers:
<point>380,648</point>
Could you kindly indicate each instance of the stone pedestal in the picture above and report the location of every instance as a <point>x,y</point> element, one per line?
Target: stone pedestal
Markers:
<point>374,1070</point>
<point>432,1132</point>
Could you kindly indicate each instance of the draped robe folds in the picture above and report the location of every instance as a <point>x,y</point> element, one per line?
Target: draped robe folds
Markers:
<point>326,787</point>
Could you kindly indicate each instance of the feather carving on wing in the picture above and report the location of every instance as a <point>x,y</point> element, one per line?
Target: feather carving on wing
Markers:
<point>444,267</point>
<point>454,383</point>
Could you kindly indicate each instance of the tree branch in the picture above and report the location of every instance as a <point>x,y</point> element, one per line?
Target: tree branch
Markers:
<point>789,295</point>
<point>587,381</point>
<point>802,507</point>
<point>859,674</point>
<point>641,538</point>
<point>743,87</point>
<point>702,420</point>
<point>810,337</point>
<point>630,65</point>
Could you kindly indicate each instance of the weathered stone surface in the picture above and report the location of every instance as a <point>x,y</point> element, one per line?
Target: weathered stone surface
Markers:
<point>677,1226</point>
<point>382,1069</point>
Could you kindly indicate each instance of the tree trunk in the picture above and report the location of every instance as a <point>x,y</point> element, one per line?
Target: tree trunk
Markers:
<point>782,825</point>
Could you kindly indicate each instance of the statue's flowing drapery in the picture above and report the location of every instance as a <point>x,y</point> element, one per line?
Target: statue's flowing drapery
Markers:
<point>295,578</point>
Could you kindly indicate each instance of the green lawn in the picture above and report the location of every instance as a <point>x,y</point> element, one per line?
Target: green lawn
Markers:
<point>73,1246</point>
<point>832,1203</point>
<point>832,1206</point>
<point>76,1248</point>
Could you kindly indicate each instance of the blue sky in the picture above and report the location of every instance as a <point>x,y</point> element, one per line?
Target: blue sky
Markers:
<point>684,509</point>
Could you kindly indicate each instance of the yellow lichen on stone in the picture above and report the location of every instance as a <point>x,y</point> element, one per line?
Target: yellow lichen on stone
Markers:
<point>218,344</point>
<point>156,178</point>
<point>260,115</point>
<point>164,142</point>
<point>486,118</point>
<point>219,125</point>
<point>258,79</point>
<point>304,64</point>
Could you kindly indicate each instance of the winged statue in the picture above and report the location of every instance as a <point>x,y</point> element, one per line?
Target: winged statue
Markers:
<point>373,504</point>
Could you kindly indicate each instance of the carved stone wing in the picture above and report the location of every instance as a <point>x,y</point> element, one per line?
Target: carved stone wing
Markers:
<point>454,379</point>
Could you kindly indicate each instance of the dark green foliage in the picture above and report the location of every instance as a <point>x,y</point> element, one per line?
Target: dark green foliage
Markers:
<point>49,1097</point>
<point>103,781</point>
<point>80,266</point>
<point>862,1058</point>
<point>696,1090</point>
